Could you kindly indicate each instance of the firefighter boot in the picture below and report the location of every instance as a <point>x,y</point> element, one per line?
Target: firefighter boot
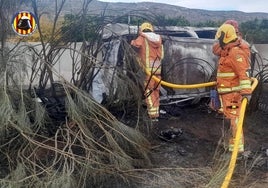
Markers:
<point>240,145</point>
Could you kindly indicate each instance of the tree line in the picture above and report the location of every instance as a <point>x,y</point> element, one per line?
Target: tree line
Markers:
<point>254,31</point>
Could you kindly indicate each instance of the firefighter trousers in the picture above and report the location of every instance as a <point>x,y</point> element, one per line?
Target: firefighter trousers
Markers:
<point>231,105</point>
<point>152,89</point>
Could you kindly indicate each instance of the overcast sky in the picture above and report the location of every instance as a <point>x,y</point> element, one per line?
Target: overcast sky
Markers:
<point>240,5</point>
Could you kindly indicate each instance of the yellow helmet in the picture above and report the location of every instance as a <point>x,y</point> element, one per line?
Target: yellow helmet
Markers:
<point>226,33</point>
<point>147,26</point>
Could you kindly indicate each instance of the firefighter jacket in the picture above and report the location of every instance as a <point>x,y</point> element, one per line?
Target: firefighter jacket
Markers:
<point>232,73</point>
<point>150,51</point>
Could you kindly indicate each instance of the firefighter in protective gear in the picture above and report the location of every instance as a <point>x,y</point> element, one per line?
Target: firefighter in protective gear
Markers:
<point>217,48</point>
<point>233,81</point>
<point>147,26</point>
<point>151,53</point>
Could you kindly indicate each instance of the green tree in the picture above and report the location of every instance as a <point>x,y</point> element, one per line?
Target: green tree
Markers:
<point>255,31</point>
<point>208,23</point>
<point>72,28</point>
<point>166,21</point>
<point>159,20</point>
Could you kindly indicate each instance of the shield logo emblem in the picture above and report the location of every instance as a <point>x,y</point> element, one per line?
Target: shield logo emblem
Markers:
<point>24,23</point>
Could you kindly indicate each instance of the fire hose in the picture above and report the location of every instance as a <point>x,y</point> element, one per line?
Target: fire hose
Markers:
<point>233,159</point>
<point>237,138</point>
<point>179,86</point>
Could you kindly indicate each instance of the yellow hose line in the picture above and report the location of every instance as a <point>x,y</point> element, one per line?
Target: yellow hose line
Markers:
<point>236,143</point>
<point>192,86</point>
<point>254,84</point>
<point>237,138</point>
<point>240,121</point>
<point>178,86</point>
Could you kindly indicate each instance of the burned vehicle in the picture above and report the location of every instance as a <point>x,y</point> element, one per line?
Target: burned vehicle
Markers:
<point>188,60</point>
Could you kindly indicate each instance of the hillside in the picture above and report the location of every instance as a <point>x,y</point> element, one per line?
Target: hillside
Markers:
<point>115,9</point>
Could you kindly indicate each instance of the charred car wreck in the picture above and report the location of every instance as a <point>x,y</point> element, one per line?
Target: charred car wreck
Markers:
<point>188,60</point>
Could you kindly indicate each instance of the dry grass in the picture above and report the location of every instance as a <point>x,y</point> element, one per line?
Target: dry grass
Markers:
<point>91,144</point>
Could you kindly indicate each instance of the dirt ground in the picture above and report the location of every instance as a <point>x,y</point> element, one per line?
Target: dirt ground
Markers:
<point>196,138</point>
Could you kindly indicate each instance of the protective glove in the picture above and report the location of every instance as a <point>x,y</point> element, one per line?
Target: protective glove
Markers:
<point>248,97</point>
